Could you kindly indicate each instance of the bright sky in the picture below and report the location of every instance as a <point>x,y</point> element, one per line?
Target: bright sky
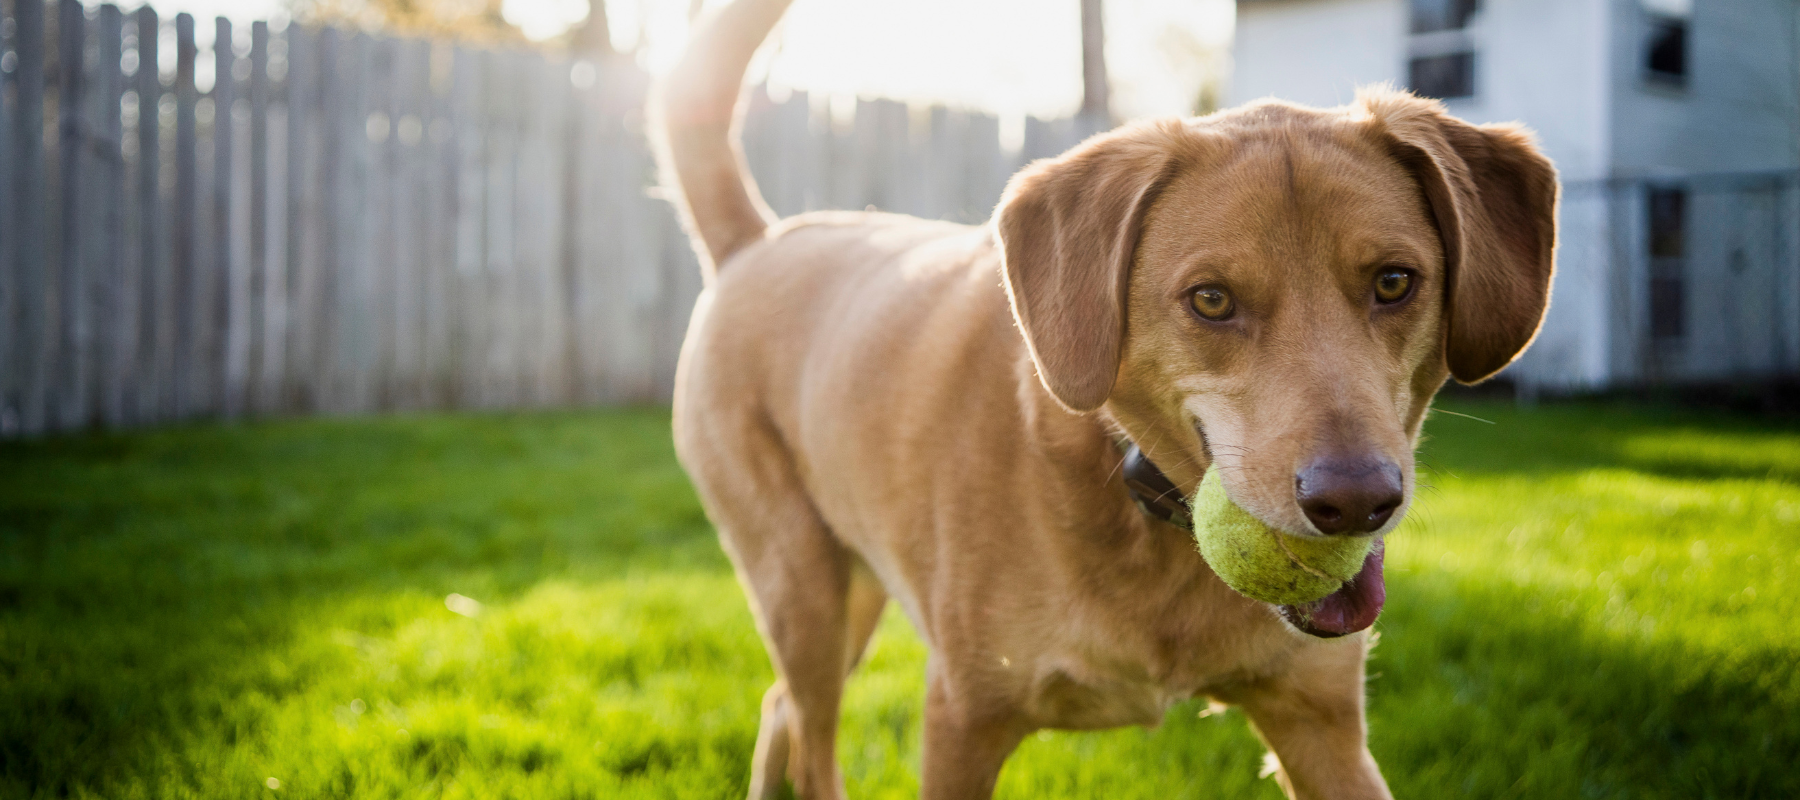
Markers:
<point>1009,56</point>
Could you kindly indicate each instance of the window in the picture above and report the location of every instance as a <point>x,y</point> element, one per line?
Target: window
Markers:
<point>1442,15</point>
<point>1665,56</point>
<point>1668,246</point>
<point>1441,61</point>
<point>1443,77</point>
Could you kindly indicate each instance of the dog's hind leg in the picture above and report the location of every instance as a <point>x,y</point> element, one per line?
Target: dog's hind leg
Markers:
<point>866,601</point>
<point>798,577</point>
<point>770,765</point>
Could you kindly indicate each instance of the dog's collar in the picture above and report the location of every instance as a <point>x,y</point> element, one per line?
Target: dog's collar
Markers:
<point>1153,492</point>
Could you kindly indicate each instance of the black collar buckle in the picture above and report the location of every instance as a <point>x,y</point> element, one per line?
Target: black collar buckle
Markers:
<point>1153,492</point>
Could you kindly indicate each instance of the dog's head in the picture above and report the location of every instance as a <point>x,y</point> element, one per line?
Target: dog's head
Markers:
<point>1280,291</point>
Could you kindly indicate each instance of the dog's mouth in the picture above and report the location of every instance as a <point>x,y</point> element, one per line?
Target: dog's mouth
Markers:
<point>1353,607</point>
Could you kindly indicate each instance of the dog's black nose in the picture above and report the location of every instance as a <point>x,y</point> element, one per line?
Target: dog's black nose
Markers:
<point>1349,495</point>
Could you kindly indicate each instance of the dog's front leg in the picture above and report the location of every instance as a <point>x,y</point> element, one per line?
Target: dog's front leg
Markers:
<point>965,745</point>
<point>1311,717</point>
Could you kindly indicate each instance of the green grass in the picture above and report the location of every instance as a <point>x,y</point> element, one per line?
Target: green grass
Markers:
<point>1589,601</point>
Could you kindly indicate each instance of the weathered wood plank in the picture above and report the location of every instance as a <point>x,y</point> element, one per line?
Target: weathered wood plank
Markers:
<point>358,350</point>
<point>72,353</point>
<point>870,168</point>
<point>634,269</point>
<point>185,228</point>
<point>112,287</point>
<point>437,231</point>
<point>340,130</point>
<point>501,363</point>
<point>529,228</point>
<point>382,218</point>
<point>263,318</point>
<point>226,332</point>
<point>302,232</point>
<point>9,272</point>
<point>35,339</point>
<point>467,119</point>
<point>987,166</point>
<point>943,170</point>
<point>540,192</point>
<point>156,298</point>
<point>408,107</point>
<point>798,169</point>
<point>846,170</point>
<point>591,140</point>
<point>346,336</point>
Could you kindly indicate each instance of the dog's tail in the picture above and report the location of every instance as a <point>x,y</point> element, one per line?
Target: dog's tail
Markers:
<point>693,114</point>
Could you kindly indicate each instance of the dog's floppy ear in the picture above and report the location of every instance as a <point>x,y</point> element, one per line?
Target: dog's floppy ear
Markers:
<point>1068,228</point>
<point>1494,196</point>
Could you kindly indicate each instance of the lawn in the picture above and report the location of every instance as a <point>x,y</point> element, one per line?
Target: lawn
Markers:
<point>1590,601</point>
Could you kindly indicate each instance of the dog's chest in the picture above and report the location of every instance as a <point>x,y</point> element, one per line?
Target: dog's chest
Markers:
<point>1100,677</point>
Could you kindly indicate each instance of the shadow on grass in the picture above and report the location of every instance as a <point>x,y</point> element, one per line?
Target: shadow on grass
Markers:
<point>1666,442</point>
<point>162,589</point>
<point>1485,690</point>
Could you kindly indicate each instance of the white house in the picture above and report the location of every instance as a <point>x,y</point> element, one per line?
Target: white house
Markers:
<point>1675,125</point>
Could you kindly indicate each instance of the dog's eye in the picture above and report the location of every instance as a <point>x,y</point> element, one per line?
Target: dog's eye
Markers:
<point>1393,285</point>
<point>1213,303</point>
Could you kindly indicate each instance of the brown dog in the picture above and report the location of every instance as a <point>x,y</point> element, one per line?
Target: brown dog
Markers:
<point>877,406</point>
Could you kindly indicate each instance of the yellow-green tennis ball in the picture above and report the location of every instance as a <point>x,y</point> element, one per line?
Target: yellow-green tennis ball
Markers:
<point>1260,562</point>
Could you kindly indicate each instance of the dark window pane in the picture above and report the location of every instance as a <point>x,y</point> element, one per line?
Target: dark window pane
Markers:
<point>1667,56</point>
<point>1665,307</point>
<point>1668,222</point>
<point>1441,15</point>
<point>1443,77</point>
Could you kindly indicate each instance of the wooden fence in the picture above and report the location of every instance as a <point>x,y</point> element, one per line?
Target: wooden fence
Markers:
<point>345,223</point>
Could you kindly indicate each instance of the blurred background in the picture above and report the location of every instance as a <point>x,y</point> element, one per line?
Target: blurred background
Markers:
<point>334,338</point>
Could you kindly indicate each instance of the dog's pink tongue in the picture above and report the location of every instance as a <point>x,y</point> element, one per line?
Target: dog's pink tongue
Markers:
<point>1347,610</point>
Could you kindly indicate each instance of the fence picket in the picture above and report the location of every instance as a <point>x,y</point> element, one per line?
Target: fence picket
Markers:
<point>364,224</point>
<point>437,229</point>
<point>32,222</point>
<point>635,271</point>
<point>471,234</point>
<point>943,167</point>
<point>300,227</point>
<point>334,172</point>
<point>383,216</point>
<point>9,269</point>
<point>353,351</point>
<point>156,299</point>
<point>264,315</point>
<point>986,166</point>
<point>796,168</point>
<point>543,348</point>
<point>500,366</point>
<point>186,233</point>
<point>588,294</point>
<point>111,287</point>
<point>227,334</point>
<point>74,339</point>
<point>407,109</point>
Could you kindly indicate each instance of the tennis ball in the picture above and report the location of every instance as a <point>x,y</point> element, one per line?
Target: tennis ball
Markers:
<point>1266,564</point>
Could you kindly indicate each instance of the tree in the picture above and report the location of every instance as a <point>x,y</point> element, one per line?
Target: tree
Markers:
<point>469,20</point>
<point>593,38</point>
<point>465,20</point>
